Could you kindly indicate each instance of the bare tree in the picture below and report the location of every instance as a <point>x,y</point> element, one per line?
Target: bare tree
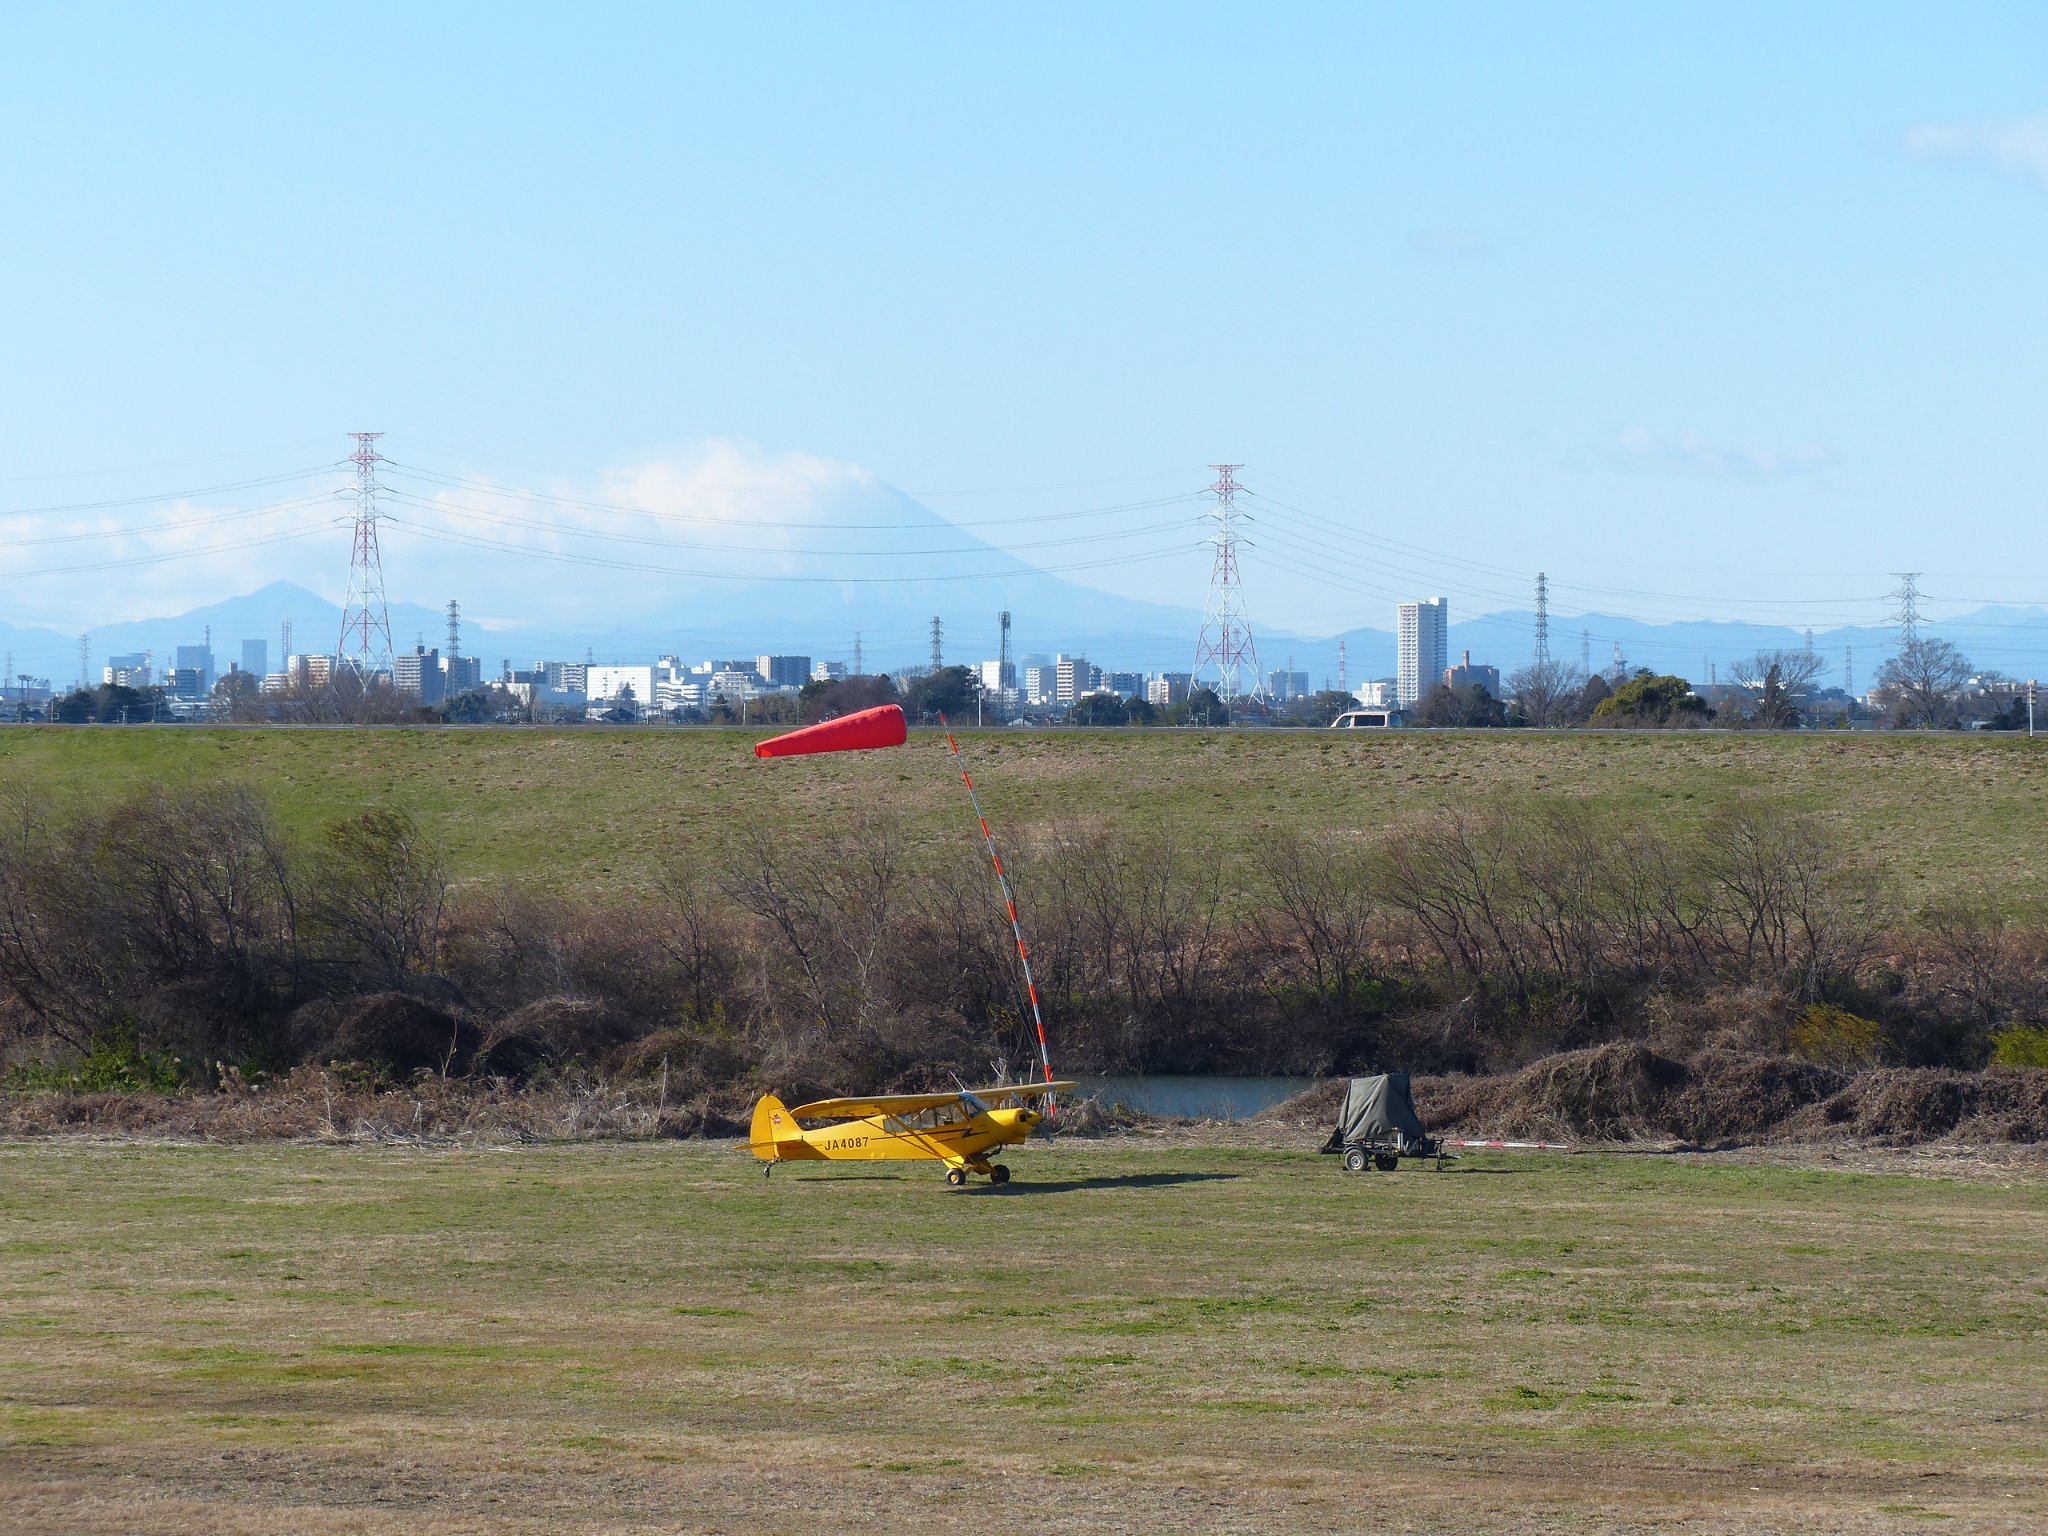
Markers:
<point>1784,893</point>
<point>1547,693</point>
<point>1322,910</point>
<point>381,895</point>
<point>1921,684</point>
<point>833,907</point>
<point>1778,684</point>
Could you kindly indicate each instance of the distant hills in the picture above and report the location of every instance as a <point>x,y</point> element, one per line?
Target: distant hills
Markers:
<point>596,598</point>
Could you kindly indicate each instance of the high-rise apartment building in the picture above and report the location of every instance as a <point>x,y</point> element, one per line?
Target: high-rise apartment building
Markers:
<point>1425,644</point>
<point>1072,677</point>
<point>783,671</point>
<point>419,674</point>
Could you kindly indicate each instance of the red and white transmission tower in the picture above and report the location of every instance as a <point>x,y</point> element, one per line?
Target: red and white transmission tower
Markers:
<point>1226,638</point>
<point>365,618</point>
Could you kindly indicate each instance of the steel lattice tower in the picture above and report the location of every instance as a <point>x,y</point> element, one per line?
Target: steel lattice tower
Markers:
<point>1908,616</point>
<point>1542,618</point>
<point>365,617</point>
<point>1006,669</point>
<point>938,647</point>
<point>1226,637</point>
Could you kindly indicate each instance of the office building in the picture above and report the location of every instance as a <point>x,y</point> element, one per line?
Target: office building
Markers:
<point>199,659</point>
<point>1465,675</point>
<point>256,657</point>
<point>123,671</point>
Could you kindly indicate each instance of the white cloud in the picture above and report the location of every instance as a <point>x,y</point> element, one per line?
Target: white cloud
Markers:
<point>718,508</point>
<point>2018,146</point>
<point>1690,453</point>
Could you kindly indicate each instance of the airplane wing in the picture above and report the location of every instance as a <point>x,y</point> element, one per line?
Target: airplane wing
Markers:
<point>910,1103</point>
<point>861,1109</point>
<point>1016,1091</point>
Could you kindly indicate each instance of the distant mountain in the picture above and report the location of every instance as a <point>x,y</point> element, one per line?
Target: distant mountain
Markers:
<point>521,609</point>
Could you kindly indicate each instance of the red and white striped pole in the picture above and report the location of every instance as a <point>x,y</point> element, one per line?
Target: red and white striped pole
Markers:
<point>1009,902</point>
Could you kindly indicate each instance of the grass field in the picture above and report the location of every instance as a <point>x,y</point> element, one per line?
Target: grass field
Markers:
<point>1130,1337</point>
<point>1948,815</point>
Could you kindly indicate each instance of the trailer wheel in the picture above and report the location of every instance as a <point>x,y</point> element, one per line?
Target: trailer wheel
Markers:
<point>1355,1160</point>
<point>1386,1162</point>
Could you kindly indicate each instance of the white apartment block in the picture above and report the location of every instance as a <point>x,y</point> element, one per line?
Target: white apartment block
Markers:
<point>1072,677</point>
<point>1425,646</point>
<point>601,685</point>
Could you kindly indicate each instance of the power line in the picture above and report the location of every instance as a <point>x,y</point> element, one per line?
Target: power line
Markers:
<point>546,525</point>
<point>163,496</point>
<point>722,520</point>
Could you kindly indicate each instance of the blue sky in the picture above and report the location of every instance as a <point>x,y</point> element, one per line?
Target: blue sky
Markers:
<point>1727,312</point>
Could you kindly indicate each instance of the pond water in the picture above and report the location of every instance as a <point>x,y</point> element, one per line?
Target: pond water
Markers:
<point>1196,1098</point>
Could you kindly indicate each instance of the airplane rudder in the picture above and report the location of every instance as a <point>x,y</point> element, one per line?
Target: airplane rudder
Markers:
<point>771,1124</point>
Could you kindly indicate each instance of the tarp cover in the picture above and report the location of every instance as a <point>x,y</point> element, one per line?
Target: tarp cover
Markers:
<point>1377,1109</point>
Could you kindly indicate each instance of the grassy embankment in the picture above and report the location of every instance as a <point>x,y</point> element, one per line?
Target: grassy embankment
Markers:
<point>1128,1338</point>
<point>1949,816</point>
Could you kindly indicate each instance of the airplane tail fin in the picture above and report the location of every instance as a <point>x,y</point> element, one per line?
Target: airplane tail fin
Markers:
<point>772,1125</point>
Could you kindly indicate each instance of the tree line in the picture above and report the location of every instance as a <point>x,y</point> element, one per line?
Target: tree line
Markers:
<point>175,933</point>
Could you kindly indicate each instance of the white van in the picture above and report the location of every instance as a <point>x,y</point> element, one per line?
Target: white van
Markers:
<point>1369,720</point>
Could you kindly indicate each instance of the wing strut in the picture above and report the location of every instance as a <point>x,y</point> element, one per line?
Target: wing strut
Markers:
<point>1009,903</point>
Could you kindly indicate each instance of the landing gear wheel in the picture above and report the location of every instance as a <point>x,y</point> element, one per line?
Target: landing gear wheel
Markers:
<point>999,1174</point>
<point>1355,1160</point>
<point>956,1176</point>
<point>766,1169</point>
<point>1386,1162</point>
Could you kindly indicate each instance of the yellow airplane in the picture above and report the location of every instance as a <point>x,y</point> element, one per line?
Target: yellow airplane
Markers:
<point>958,1129</point>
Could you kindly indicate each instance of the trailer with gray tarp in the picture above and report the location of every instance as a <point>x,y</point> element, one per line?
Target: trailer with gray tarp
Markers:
<point>1377,1126</point>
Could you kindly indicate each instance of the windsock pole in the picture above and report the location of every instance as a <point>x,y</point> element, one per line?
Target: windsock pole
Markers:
<point>1009,902</point>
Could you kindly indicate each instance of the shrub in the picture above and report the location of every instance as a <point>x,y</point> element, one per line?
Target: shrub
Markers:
<point>1834,1037</point>
<point>2023,1045</point>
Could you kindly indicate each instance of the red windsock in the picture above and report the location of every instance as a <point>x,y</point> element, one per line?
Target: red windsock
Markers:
<point>881,726</point>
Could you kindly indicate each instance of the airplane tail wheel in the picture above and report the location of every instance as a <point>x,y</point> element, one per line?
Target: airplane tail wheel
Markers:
<point>999,1174</point>
<point>766,1169</point>
<point>956,1176</point>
